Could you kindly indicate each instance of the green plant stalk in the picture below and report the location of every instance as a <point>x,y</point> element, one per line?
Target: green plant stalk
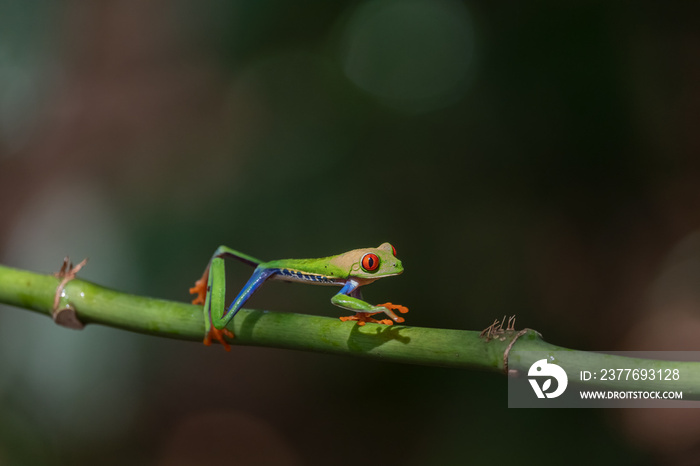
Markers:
<point>415,345</point>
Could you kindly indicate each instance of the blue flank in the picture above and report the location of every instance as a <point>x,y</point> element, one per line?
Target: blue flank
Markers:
<point>297,275</point>
<point>261,274</point>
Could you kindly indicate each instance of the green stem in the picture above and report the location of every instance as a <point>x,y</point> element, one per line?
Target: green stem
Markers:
<point>415,345</point>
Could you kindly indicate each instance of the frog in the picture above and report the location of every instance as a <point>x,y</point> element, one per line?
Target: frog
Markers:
<point>350,270</point>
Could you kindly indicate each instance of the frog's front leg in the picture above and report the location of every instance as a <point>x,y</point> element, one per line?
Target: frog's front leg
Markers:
<point>349,297</point>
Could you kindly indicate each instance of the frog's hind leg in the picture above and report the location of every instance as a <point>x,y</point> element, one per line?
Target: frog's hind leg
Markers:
<point>215,299</point>
<point>228,253</point>
<point>215,319</point>
<point>224,252</point>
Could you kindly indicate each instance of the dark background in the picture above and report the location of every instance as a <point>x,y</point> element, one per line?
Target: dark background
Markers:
<point>533,159</point>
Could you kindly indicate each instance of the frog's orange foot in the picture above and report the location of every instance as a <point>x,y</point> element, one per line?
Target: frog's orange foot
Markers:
<point>218,335</point>
<point>395,307</point>
<point>363,317</point>
<point>200,289</point>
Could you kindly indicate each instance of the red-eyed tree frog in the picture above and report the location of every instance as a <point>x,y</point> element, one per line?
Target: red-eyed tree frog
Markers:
<point>350,270</point>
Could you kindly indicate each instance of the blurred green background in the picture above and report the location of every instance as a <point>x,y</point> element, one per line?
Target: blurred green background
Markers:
<point>534,158</point>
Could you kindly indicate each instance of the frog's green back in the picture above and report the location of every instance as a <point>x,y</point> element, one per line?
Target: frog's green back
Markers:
<point>321,266</point>
<point>343,266</point>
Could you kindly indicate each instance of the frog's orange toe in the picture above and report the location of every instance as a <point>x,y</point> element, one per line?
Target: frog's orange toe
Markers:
<point>218,335</point>
<point>395,307</point>
<point>200,289</point>
<point>363,317</point>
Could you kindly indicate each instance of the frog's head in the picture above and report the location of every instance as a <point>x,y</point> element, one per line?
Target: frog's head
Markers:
<point>373,263</point>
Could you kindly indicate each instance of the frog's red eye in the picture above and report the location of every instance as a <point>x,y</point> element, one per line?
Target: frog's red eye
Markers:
<point>393,249</point>
<point>370,262</point>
